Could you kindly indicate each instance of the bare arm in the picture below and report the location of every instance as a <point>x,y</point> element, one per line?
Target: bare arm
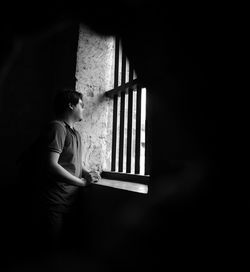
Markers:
<point>56,169</point>
<point>85,171</point>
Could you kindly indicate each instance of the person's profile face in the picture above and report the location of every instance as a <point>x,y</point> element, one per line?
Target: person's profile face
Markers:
<point>79,110</point>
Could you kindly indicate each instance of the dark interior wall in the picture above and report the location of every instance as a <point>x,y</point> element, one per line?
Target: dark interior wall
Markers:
<point>39,66</point>
<point>32,70</point>
<point>105,225</point>
<point>181,54</point>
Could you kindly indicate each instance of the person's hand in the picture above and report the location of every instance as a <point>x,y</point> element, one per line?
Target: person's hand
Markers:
<point>95,176</point>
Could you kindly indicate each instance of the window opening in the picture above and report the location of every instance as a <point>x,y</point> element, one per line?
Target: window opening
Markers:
<point>130,124</point>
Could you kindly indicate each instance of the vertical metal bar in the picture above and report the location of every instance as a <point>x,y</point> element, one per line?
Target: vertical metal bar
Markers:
<point>138,131</point>
<point>129,132</point>
<point>114,132</point>
<point>116,62</point>
<point>147,132</point>
<point>123,68</point>
<point>130,121</point>
<point>115,98</point>
<point>131,71</point>
<point>121,142</point>
<point>122,110</point>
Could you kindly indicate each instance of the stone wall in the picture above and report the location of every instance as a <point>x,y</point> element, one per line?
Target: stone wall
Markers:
<point>94,76</point>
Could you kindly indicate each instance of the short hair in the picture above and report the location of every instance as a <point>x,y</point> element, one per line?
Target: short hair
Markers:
<point>65,97</point>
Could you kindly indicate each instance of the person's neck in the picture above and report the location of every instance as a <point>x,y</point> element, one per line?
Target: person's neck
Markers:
<point>68,120</point>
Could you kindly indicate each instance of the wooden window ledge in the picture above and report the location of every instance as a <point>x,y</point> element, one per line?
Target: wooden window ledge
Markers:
<point>124,185</point>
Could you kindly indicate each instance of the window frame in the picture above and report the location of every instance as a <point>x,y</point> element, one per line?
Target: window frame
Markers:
<point>132,85</point>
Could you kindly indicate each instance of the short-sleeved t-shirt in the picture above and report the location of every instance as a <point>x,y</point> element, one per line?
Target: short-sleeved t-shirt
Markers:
<point>60,138</point>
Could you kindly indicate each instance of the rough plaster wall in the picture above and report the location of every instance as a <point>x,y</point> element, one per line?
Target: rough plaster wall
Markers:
<point>94,75</point>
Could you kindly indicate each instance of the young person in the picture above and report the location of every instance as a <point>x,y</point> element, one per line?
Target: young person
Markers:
<point>62,169</point>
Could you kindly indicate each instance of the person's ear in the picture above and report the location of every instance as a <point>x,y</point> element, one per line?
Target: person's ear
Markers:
<point>70,106</point>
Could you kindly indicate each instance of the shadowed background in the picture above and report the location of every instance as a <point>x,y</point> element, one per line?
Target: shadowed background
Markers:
<point>179,52</point>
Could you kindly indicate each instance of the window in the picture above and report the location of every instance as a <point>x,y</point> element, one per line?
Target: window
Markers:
<point>130,145</point>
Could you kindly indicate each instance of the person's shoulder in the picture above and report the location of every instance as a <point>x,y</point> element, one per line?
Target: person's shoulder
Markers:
<point>56,124</point>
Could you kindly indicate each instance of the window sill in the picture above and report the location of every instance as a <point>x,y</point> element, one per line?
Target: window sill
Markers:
<point>124,185</point>
<point>133,178</point>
